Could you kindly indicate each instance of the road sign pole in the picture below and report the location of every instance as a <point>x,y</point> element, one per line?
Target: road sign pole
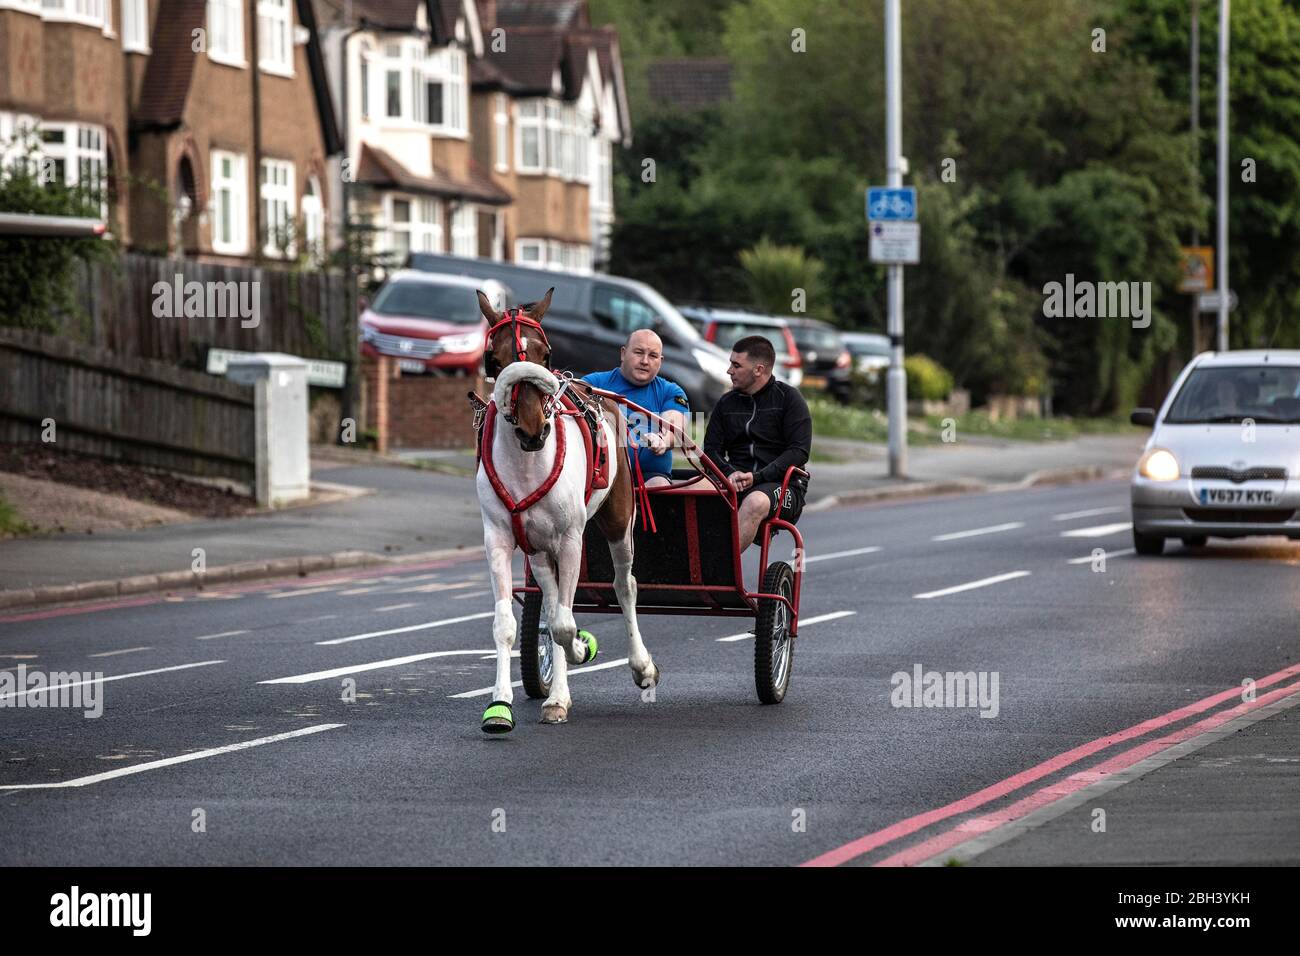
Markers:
<point>896,381</point>
<point>1223,175</point>
<point>1196,151</point>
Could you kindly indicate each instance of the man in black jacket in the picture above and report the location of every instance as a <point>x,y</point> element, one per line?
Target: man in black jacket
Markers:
<point>758,430</point>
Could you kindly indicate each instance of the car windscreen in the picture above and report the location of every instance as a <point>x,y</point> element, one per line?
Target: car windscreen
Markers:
<point>729,333</point>
<point>812,337</point>
<point>867,347</point>
<point>428,300</point>
<point>1265,394</point>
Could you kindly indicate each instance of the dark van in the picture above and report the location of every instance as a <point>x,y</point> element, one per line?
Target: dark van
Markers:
<point>591,317</point>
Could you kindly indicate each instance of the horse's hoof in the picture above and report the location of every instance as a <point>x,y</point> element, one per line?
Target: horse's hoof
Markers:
<point>554,714</point>
<point>498,718</point>
<point>589,639</point>
<point>646,681</point>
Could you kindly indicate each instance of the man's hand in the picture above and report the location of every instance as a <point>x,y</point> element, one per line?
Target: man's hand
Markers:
<point>655,442</point>
<point>740,480</point>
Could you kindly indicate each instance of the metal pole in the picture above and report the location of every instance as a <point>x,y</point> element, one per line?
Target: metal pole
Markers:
<point>1196,154</point>
<point>1223,175</point>
<point>896,381</point>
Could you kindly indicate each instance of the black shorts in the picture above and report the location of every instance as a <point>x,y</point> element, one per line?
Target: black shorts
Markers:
<point>791,509</point>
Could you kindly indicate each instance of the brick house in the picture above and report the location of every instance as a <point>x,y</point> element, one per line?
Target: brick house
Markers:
<point>477,128</point>
<point>210,127</point>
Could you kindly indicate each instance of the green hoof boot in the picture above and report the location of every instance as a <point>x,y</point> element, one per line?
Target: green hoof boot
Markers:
<point>589,639</point>
<point>498,719</point>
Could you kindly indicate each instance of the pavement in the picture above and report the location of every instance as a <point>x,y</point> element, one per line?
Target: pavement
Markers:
<point>412,511</point>
<point>335,720</point>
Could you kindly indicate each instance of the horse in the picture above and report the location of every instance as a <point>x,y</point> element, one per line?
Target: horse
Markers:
<point>529,501</point>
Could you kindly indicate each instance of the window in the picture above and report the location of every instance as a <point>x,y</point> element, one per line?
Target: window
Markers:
<point>426,88</point>
<point>621,310</point>
<point>583,139</point>
<point>530,251</point>
<point>365,89</point>
<point>393,81</point>
<point>568,140</point>
<point>313,219</point>
<point>552,136</point>
<point>274,36</point>
<point>528,134</point>
<point>76,152</point>
<point>277,198</point>
<point>89,12</point>
<point>498,236</point>
<point>226,32</point>
<point>415,225</point>
<point>135,26</point>
<point>501,132</point>
<point>603,195</point>
<point>229,203</point>
<point>464,231</point>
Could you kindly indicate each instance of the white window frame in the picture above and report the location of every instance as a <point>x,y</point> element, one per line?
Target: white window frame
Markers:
<point>236,186</point>
<point>501,132</point>
<point>498,236</point>
<point>530,117</point>
<point>84,146</point>
<point>537,245</point>
<point>423,230</point>
<point>417,67</point>
<point>92,13</point>
<point>275,191</point>
<point>22,6</point>
<point>464,231</point>
<point>226,32</point>
<point>135,26</point>
<point>275,37</point>
<point>583,140</point>
<point>313,219</point>
<point>553,135</point>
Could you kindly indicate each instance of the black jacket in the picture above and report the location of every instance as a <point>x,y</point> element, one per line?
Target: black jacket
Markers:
<point>764,433</point>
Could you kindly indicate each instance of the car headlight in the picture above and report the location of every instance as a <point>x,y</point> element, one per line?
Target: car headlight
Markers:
<point>367,334</point>
<point>1159,465</point>
<point>710,363</point>
<point>467,342</point>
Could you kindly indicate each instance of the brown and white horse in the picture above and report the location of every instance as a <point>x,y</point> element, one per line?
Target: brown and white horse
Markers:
<point>537,443</point>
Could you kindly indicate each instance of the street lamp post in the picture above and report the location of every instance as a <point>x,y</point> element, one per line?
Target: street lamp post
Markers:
<point>896,381</point>
<point>1222,345</point>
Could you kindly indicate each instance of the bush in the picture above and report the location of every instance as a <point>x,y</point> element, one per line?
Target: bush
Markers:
<point>774,273</point>
<point>927,379</point>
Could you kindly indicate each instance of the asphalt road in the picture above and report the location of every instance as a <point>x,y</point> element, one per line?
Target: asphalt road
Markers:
<point>702,774</point>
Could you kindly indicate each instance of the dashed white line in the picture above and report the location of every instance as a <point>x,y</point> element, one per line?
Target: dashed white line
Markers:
<point>840,554</point>
<point>213,637</point>
<point>105,680</point>
<point>434,588</point>
<point>472,594</point>
<point>993,529</point>
<point>372,666</point>
<point>833,616</point>
<point>1090,513</point>
<point>396,607</point>
<point>170,761</point>
<point>1100,531</point>
<point>1088,559</point>
<point>301,592</point>
<point>485,691</point>
<point>981,583</point>
<point>125,650</point>
<point>409,628</point>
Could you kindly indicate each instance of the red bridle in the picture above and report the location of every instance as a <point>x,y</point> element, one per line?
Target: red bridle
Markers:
<point>515,319</point>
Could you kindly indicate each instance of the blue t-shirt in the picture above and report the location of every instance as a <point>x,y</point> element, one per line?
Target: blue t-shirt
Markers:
<point>659,396</point>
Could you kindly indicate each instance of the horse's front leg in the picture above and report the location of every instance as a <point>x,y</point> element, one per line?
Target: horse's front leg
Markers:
<point>499,717</point>
<point>558,580</point>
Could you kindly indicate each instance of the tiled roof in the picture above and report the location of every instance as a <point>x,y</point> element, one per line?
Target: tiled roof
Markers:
<point>689,83</point>
<point>530,57</point>
<point>552,14</point>
<point>395,14</point>
<point>170,69</point>
<point>378,168</point>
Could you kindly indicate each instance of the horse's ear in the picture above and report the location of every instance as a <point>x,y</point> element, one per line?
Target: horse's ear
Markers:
<point>538,309</point>
<point>485,306</point>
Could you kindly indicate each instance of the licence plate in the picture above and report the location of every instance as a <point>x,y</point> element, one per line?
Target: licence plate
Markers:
<point>814,381</point>
<point>411,365</point>
<point>1246,497</point>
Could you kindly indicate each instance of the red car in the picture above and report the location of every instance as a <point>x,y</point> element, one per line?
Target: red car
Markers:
<point>430,323</point>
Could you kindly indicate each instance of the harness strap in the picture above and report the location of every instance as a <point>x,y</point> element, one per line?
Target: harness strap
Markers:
<point>517,508</point>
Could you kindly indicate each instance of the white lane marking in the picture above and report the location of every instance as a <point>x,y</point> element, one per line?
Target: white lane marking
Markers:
<point>125,650</point>
<point>1090,513</point>
<point>213,637</point>
<point>981,583</point>
<point>493,656</point>
<point>1100,531</point>
<point>472,594</point>
<point>485,691</point>
<point>301,592</point>
<point>840,554</point>
<point>993,529</point>
<point>372,666</point>
<point>1088,559</point>
<point>434,588</point>
<point>407,630</point>
<point>104,680</point>
<point>170,761</point>
<point>833,616</point>
<point>352,591</point>
<point>397,607</point>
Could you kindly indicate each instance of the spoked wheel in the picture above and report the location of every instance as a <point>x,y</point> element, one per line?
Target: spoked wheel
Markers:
<point>773,644</point>
<point>535,648</point>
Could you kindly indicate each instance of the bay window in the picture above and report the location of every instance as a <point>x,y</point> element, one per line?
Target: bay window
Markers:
<point>415,225</point>
<point>528,135</point>
<point>464,231</point>
<point>501,132</point>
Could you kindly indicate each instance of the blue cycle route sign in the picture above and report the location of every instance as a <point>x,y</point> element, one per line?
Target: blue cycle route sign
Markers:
<point>885,204</point>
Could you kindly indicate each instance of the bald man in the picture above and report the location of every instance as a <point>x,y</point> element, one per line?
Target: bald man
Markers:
<point>637,379</point>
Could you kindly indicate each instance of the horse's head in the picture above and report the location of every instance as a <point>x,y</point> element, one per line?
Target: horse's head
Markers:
<point>515,338</point>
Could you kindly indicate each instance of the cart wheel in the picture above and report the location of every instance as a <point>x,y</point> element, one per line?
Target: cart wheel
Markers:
<point>535,648</point>
<point>773,646</point>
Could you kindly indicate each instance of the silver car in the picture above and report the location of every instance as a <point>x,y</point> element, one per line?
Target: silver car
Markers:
<point>1224,454</point>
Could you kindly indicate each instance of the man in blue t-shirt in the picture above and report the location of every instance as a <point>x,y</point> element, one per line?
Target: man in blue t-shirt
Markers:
<point>637,379</point>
